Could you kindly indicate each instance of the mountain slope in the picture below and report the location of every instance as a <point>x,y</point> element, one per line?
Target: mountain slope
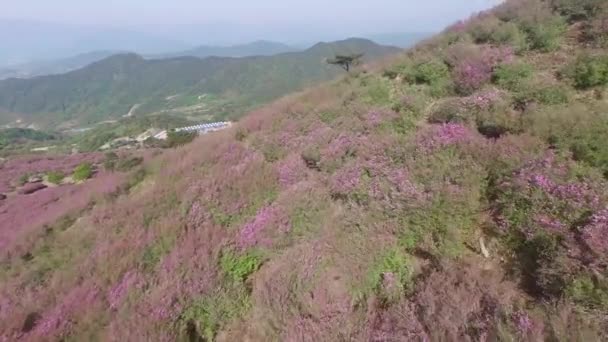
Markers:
<point>111,87</point>
<point>457,193</point>
<point>402,40</point>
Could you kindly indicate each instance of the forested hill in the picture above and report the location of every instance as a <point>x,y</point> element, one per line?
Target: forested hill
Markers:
<point>111,87</point>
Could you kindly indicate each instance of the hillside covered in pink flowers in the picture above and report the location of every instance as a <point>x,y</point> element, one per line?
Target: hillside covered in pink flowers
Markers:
<point>455,192</point>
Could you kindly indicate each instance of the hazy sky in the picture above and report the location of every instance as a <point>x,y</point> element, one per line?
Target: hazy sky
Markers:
<point>264,18</point>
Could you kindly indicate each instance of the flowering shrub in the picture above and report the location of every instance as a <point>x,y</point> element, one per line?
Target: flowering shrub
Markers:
<point>267,217</point>
<point>346,180</point>
<point>472,72</point>
<point>483,101</point>
<point>376,116</point>
<point>554,222</point>
<point>118,292</point>
<point>523,322</point>
<point>341,146</point>
<point>56,321</point>
<point>291,170</point>
<point>444,135</point>
<point>595,232</point>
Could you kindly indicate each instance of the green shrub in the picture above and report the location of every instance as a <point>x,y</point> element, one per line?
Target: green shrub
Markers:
<point>493,31</point>
<point>240,134</point>
<point>546,36</point>
<point>154,253</point>
<point>447,111</point>
<point>483,30</point>
<point>127,164</point>
<point>239,267</point>
<point>441,88</point>
<point>327,117</point>
<point>578,10</point>
<point>396,265</point>
<point>496,124</point>
<point>202,319</point>
<point>55,177</point>
<point>175,139</point>
<point>551,95</point>
<point>589,71</point>
<point>430,72</point>
<point>312,158</point>
<point>589,293</point>
<point>109,163</point>
<point>391,74</point>
<point>541,94</point>
<point>82,172</point>
<point>272,152</point>
<point>512,76</point>
<point>377,91</point>
<point>510,34</point>
<point>24,178</point>
<point>589,146</point>
<point>577,129</point>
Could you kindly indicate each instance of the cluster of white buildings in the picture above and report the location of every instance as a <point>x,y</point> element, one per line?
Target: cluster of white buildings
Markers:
<point>201,129</point>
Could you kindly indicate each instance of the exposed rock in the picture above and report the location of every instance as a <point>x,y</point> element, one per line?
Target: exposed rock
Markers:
<point>30,322</point>
<point>2,197</point>
<point>30,188</point>
<point>34,179</point>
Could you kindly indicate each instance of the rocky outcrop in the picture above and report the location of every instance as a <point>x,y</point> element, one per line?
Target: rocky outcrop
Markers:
<point>30,188</point>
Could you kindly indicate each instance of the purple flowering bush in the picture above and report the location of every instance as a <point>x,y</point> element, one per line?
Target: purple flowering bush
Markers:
<point>554,219</point>
<point>253,231</point>
<point>439,136</point>
<point>474,70</point>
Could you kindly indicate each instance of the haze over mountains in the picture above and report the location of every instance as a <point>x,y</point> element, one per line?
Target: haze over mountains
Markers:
<point>62,65</point>
<point>25,41</point>
<point>32,48</point>
<point>216,86</point>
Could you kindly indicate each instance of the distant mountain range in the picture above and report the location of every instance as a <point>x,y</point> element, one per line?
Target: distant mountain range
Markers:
<point>257,48</point>
<point>31,48</point>
<point>59,66</point>
<point>114,86</point>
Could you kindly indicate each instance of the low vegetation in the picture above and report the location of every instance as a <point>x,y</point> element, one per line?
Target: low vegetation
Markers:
<point>82,172</point>
<point>455,198</point>
<point>55,177</point>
